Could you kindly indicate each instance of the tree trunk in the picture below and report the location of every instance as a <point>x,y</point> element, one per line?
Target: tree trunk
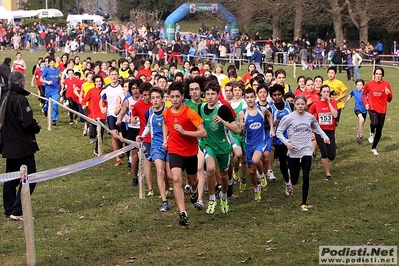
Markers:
<point>276,26</point>
<point>337,21</point>
<point>298,20</point>
<point>364,33</point>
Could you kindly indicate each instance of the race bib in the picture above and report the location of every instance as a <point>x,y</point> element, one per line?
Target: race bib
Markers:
<point>325,119</point>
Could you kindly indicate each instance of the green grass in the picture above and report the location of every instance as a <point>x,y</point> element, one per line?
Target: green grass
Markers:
<point>94,217</point>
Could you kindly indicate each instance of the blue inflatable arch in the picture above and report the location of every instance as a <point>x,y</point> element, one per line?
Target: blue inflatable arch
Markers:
<point>192,8</point>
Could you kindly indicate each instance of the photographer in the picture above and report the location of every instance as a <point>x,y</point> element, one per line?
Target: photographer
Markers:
<point>18,129</point>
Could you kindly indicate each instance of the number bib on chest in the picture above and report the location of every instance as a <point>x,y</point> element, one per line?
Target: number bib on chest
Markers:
<point>325,119</point>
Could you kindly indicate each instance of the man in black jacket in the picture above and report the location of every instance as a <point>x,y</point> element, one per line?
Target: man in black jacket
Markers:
<point>4,74</point>
<point>337,59</point>
<point>19,141</point>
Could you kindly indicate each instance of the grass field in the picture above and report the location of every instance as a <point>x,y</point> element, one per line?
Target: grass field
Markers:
<point>93,217</point>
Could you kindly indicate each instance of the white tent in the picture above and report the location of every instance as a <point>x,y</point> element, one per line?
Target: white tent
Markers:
<point>5,14</point>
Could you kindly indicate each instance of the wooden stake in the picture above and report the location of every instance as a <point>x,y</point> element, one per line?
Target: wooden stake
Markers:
<point>99,139</point>
<point>141,172</point>
<point>28,218</point>
<point>294,70</point>
<point>49,114</point>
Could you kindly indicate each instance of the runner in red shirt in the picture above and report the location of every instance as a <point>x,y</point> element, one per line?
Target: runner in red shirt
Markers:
<point>70,84</point>
<point>93,98</point>
<point>325,111</point>
<point>376,96</point>
<point>139,110</point>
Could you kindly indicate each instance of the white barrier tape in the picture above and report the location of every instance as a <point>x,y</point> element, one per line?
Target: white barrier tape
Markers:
<point>95,122</point>
<point>67,108</point>
<point>9,176</point>
<point>69,169</point>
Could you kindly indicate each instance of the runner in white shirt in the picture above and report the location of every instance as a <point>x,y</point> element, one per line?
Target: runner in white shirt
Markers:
<point>111,94</point>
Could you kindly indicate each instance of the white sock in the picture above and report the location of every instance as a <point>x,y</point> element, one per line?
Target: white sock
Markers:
<point>231,181</point>
<point>224,196</point>
<point>212,197</point>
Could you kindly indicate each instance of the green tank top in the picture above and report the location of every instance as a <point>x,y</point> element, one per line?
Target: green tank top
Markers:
<point>216,138</point>
<point>237,110</point>
<point>192,105</point>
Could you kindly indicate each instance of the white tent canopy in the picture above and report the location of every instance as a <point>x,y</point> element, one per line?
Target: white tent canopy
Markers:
<point>25,13</point>
<point>5,14</point>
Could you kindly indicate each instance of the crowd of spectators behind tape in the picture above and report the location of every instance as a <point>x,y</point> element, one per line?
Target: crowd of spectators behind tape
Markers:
<point>145,41</point>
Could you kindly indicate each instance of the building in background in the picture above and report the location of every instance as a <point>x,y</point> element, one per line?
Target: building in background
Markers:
<point>11,5</point>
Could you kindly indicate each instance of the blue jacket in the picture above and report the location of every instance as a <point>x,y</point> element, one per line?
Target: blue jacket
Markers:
<point>256,57</point>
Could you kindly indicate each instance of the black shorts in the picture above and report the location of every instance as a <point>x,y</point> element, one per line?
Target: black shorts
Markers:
<point>132,133</point>
<point>357,112</point>
<point>190,164</point>
<point>376,119</point>
<point>112,123</point>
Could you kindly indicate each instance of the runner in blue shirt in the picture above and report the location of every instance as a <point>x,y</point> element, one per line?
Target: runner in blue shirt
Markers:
<point>51,81</point>
<point>360,109</point>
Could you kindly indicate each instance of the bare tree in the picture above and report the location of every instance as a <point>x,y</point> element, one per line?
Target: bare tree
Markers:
<point>361,12</point>
<point>89,5</point>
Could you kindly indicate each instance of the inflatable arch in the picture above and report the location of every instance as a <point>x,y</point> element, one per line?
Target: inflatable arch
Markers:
<point>192,8</point>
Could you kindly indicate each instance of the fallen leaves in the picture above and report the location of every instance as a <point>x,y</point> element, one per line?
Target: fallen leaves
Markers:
<point>246,260</point>
<point>131,260</point>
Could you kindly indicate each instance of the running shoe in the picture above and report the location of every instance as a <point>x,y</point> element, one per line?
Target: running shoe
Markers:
<point>95,152</point>
<point>243,185</point>
<point>165,207</point>
<point>360,138</point>
<point>117,163</point>
<point>184,221</point>
<point>199,205</point>
<point>235,174</point>
<point>270,175</point>
<point>91,141</point>
<point>150,193</point>
<point>371,138</point>
<point>258,195</point>
<point>304,208</point>
<point>193,197</point>
<point>263,182</point>
<point>16,217</point>
<point>224,206</point>
<point>230,190</point>
<point>71,123</point>
<point>211,207</point>
<point>187,189</point>
<point>328,178</point>
<point>375,152</point>
<point>288,189</point>
<point>135,182</point>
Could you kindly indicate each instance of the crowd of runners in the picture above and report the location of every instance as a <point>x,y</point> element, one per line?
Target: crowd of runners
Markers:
<point>218,128</point>
<point>187,104</point>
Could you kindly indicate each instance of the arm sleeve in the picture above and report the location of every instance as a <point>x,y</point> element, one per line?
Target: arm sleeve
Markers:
<point>225,114</point>
<point>316,129</point>
<point>25,116</point>
<point>283,125</point>
<point>194,117</point>
<point>147,127</point>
